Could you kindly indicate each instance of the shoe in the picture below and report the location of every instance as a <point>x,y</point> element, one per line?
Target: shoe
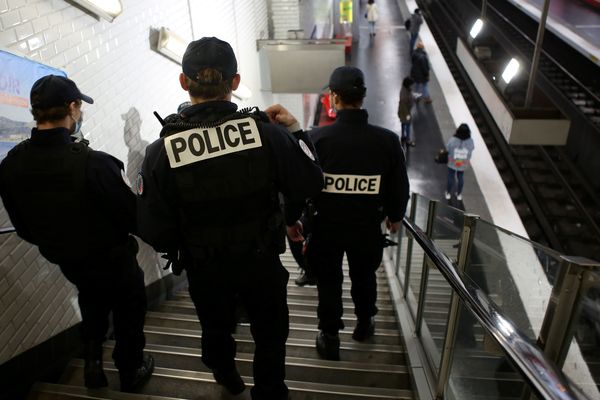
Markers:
<point>231,380</point>
<point>428,100</point>
<point>365,328</point>
<point>459,196</point>
<point>133,379</point>
<point>93,373</point>
<point>447,195</point>
<point>305,279</point>
<point>412,144</point>
<point>328,346</point>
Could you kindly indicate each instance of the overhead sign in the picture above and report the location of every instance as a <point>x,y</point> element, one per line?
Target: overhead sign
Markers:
<point>17,75</point>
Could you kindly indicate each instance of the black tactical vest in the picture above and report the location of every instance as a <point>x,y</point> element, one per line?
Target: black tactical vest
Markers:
<point>47,185</point>
<point>228,205</point>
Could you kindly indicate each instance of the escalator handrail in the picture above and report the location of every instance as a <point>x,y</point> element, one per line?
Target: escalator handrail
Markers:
<point>541,373</point>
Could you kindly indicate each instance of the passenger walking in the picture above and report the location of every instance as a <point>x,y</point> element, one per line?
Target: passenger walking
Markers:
<point>74,204</point>
<point>372,16</point>
<point>460,148</point>
<point>365,183</point>
<point>208,195</point>
<point>416,20</point>
<point>419,72</point>
<point>405,105</point>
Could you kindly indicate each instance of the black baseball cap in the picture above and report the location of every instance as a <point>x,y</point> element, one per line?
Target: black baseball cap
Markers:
<point>347,79</point>
<point>209,52</point>
<point>55,91</point>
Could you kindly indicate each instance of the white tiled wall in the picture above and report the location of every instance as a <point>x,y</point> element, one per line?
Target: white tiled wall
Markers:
<point>113,63</point>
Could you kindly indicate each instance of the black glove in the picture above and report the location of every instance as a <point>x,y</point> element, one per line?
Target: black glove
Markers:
<point>385,241</point>
<point>174,262</point>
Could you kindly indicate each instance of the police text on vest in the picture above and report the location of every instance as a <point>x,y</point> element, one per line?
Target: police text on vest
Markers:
<point>352,184</point>
<point>200,144</point>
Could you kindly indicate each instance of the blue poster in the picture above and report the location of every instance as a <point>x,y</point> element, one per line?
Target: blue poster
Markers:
<point>17,75</point>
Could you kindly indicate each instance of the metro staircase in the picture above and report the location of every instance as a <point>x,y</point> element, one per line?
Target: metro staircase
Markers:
<point>371,370</point>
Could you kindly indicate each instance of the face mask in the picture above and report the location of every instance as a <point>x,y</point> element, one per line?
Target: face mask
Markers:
<point>76,134</point>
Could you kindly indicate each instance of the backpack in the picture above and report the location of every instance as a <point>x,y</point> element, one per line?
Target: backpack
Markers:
<point>407,24</point>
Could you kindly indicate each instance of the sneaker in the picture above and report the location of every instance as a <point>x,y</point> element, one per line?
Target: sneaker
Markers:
<point>231,380</point>
<point>305,279</point>
<point>459,196</point>
<point>447,195</point>
<point>412,143</point>
<point>328,346</point>
<point>365,328</point>
<point>132,380</point>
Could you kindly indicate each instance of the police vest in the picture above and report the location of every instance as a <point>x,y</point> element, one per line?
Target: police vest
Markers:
<point>47,185</point>
<point>225,181</point>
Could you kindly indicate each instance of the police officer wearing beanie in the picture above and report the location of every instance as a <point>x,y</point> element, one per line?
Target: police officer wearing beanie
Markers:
<point>73,203</point>
<point>208,194</point>
<point>365,183</point>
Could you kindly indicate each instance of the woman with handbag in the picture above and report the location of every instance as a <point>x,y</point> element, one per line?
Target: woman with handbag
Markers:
<point>460,148</point>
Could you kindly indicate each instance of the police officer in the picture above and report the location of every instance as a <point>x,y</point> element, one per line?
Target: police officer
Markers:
<point>208,194</point>
<point>365,182</point>
<point>74,204</point>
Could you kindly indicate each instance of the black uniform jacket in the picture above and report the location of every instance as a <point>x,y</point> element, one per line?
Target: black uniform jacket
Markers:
<point>297,176</point>
<point>364,170</point>
<point>110,215</point>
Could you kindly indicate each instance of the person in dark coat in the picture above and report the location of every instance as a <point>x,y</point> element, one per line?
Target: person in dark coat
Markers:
<point>419,72</point>
<point>74,204</point>
<point>365,183</point>
<point>416,20</point>
<point>405,105</point>
<point>209,197</point>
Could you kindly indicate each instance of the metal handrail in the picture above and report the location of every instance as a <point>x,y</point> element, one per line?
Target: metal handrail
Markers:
<point>9,229</point>
<point>545,378</point>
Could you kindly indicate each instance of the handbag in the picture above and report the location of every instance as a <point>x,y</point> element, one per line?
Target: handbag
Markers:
<point>441,157</point>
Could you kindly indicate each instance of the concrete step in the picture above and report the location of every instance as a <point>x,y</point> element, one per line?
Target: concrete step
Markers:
<point>297,368</point>
<point>191,338</point>
<point>187,307</point>
<point>294,291</point>
<point>201,385</point>
<point>53,391</point>
<point>188,321</point>
<point>304,348</point>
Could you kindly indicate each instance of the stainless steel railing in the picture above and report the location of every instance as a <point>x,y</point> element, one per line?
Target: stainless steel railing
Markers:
<point>538,355</point>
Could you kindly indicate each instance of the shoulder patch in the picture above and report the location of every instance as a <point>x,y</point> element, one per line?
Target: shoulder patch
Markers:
<point>139,184</point>
<point>199,144</point>
<point>306,149</point>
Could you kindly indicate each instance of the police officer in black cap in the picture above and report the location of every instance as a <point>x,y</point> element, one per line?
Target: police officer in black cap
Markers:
<point>365,183</point>
<point>74,204</point>
<point>208,194</point>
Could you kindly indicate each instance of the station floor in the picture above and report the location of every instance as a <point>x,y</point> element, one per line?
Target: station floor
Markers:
<point>385,61</point>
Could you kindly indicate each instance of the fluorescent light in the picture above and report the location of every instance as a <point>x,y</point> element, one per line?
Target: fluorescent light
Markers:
<point>107,9</point>
<point>476,28</point>
<point>243,92</point>
<point>171,45</point>
<point>510,71</point>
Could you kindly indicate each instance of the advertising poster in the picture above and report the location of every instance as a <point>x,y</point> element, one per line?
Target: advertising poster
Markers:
<point>17,75</point>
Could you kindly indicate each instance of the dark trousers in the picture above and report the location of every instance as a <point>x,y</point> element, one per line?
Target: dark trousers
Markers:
<point>260,282</point>
<point>112,281</point>
<point>364,252</point>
